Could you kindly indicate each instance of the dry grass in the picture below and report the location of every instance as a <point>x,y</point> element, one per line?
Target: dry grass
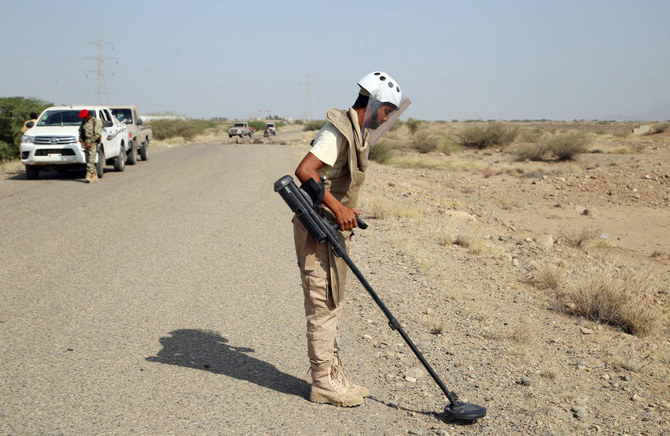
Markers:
<point>380,208</point>
<point>548,277</point>
<point>447,163</point>
<point>465,238</point>
<point>609,297</point>
<point>577,238</point>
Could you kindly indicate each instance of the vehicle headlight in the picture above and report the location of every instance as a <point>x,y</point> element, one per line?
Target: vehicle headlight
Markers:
<point>28,139</point>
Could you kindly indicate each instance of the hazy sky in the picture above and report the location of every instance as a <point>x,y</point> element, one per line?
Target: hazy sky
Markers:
<point>509,59</point>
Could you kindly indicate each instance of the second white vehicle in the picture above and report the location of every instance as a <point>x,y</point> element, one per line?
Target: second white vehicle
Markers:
<point>53,143</point>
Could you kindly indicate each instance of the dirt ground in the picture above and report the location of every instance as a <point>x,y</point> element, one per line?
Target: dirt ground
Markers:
<point>505,341</point>
<point>518,353</point>
<point>456,256</point>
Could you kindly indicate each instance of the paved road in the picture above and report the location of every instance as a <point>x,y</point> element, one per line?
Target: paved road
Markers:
<point>161,300</point>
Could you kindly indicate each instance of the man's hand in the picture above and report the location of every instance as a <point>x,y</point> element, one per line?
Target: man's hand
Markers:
<point>346,217</point>
<point>309,169</point>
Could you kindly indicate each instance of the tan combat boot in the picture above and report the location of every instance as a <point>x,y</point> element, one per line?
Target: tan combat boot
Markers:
<point>88,177</point>
<point>94,177</point>
<point>338,370</point>
<point>326,388</point>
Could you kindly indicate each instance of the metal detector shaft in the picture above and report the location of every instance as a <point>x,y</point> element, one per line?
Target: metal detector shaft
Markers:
<point>395,325</point>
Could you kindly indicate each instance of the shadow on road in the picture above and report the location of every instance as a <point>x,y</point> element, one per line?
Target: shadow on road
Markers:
<point>209,351</point>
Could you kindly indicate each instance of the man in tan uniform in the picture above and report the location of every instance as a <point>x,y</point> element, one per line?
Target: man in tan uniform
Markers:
<point>339,157</point>
<point>29,124</point>
<point>90,134</point>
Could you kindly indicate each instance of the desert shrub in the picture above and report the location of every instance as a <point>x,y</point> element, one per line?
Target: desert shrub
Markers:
<point>490,135</point>
<point>530,135</point>
<point>533,152</point>
<point>609,297</point>
<point>258,125</point>
<point>548,277</point>
<point>395,126</point>
<point>577,238</point>
<point>448,145</point>
<point>381,152</point>
<point>187,129</point>
<point>565,146</point>
<point>309,126</point>
<point>660,127</point>
<point>14,111</point>
<point>413,125</point>
<point>425,142</point>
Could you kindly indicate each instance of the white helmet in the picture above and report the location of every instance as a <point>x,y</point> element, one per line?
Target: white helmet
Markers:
<point>382,87</point>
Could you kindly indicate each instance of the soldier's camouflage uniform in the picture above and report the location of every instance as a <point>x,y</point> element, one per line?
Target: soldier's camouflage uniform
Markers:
<point>90,133</point>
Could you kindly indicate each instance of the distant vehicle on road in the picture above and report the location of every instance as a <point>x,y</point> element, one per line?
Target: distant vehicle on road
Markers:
<point>270,129</point>
<point>241,129</point>
<point>53,143</point>
<point>139,135</point>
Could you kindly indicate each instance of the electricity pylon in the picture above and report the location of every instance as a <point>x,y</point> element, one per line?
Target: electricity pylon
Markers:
<point>307,86</point>
<point>99,58</point>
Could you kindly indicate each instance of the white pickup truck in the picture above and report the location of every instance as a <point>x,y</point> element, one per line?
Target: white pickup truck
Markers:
<point>241,129</point>
<point>53,142</point>
<point>139,135</point>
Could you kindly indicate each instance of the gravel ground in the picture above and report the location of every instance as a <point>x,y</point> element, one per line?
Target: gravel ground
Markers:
<point>166,300</point>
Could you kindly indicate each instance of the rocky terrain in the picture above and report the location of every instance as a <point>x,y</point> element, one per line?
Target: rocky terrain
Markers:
<point>475,262</point>
<point>455,255</point>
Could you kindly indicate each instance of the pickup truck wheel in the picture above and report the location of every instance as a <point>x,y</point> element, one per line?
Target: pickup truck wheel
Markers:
<point>120,161</point>
<point>230,136</point>
<point>32,173</point>
<point>143,152</point>
<point>99,164</point>
<point>132,154</point>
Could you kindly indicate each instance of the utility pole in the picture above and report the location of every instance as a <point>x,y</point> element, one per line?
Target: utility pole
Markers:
<point>99,58</point>
<point>307,86</point>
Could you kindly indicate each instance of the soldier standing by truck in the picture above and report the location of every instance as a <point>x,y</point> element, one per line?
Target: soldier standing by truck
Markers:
<point>90,135</point>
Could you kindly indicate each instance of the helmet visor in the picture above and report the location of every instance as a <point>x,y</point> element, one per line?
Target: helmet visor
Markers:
<point>379,117</point>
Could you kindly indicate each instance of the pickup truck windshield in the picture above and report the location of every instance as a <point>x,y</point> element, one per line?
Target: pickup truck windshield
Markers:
<point>68,117</point>
<point>123,115</point>
<point>239,125</point>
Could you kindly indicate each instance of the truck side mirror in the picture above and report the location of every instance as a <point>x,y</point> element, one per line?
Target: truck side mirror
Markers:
<point>139,121</point>
<point>30,124</point>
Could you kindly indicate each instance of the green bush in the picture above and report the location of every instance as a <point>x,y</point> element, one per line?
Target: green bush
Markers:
<point>494,134</point>
<point>413,125</point>
<point>187,129</point>
<point>381,152</point>
<point>308,126</point>
<point>565,146</point>
<point>14,111</point>
<point>258,125</point>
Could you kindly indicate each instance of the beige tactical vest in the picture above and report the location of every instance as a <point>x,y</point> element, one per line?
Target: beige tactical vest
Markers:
<point>344,183</point>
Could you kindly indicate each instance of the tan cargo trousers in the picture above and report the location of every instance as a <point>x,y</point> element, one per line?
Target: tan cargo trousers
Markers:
<point>323,314</point>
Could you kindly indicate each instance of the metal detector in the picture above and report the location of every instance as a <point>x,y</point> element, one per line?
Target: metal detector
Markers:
<point>301,204</point>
